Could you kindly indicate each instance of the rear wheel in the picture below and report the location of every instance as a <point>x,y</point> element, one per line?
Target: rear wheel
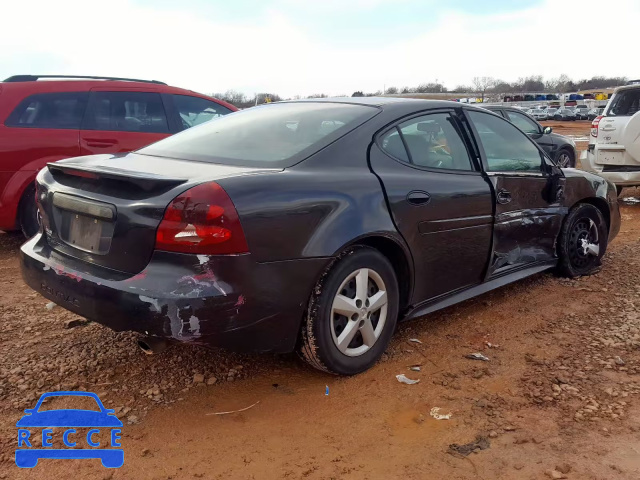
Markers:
<point>619,189</point>
<point>565,158</point>
<point>582,241</point>
<point>352,313</point>
<point>28,212</point>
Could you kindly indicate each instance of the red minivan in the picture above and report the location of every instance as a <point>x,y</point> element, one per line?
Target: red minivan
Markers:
<point>46,118</point>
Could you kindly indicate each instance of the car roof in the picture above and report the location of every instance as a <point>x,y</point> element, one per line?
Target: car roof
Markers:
<point>395,104</point>
<point>633,86</point>
<point>33,84</point>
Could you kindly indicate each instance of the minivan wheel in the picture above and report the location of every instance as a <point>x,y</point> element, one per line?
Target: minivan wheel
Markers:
<point>352,313</point>
<point>565,158</point>
<point>28,212</point>
<point>582,241</point>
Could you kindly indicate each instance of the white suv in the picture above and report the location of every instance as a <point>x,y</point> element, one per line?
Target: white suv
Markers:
<point>614,143</point>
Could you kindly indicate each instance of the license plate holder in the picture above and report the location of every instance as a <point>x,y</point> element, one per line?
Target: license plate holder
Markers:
<point>85,233</point>
<point>610,157</point>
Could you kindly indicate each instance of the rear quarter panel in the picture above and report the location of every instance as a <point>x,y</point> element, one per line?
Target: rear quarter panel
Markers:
<point>315,208</point>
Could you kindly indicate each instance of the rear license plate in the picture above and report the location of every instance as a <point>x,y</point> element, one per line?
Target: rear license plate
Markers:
<point>85,232</point>
<point>610,157</point>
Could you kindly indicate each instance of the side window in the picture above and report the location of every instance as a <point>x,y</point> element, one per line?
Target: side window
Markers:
<point>194,110</point>
<point>523,122</point>
<point>434,141</point>
<point>127,112</point>
<point>506,148</point>
<point>392,144</point>
<point>50,110</point>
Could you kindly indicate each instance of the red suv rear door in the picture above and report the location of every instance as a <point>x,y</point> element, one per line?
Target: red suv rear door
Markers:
<point>123,119</point>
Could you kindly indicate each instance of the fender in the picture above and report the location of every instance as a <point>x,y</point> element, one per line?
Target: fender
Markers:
<point>15,187</point>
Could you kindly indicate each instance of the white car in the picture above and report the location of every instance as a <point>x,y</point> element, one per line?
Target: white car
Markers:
<point>614,143</point>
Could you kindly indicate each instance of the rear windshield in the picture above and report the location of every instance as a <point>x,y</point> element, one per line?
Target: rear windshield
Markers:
<point>625,103</point>
<point>275,135</point>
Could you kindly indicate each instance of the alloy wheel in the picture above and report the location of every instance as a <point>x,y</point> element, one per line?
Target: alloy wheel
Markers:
<point>564,160</point>
<point>584,243</point>
<point>359,312</point>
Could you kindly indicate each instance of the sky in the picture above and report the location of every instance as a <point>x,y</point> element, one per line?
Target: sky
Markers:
<point>295,47</point>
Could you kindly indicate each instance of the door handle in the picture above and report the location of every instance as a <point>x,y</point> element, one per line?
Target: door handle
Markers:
<point>418,197</point>
<point>100,143</point>
<point>503,196</point>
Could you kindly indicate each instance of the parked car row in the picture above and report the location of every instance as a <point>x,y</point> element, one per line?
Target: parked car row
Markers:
<point>49,118</point>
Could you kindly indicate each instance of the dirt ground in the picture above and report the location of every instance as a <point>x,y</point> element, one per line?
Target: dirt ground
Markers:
<point>558,397</point>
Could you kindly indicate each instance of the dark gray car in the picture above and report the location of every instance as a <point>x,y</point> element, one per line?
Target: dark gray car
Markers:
<point>560,148</point>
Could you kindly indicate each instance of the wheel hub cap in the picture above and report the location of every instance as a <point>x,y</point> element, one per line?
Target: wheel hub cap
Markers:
<point>359,312</point>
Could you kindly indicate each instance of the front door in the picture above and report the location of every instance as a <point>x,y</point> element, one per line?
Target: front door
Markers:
<point>439,200</point>
<point>527,195</point>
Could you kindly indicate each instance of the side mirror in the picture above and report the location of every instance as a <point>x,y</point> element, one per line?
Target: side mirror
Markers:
<point>547,130</point>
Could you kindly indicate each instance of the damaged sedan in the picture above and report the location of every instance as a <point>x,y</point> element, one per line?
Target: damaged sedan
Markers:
<point>311,225</point>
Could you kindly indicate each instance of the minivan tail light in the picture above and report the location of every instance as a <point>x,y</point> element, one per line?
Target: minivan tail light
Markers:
<point>201,220</point>
<point>594,126</point>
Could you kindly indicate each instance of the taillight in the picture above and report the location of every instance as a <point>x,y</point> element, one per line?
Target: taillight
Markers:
<point>202,220</point>
<point>594,126</point>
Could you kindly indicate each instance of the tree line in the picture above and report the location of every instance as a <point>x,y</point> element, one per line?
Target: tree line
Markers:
<point>480,85</point>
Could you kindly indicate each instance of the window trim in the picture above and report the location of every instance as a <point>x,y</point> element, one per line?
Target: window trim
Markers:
<point>545,169</point>
<point>476,170</point>
<point>81,95</point>
<point>90,109</point>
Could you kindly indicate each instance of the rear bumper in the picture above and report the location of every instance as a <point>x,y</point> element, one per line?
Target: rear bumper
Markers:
<point>222,301</point>
<point>620,178</point>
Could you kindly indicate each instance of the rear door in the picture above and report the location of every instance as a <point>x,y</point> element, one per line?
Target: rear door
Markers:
<point>528,212</point>
<point>122,120</point>
<point>439,199</point>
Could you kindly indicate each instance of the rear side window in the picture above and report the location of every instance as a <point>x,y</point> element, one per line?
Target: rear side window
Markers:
<point>50,110</point>
<point>194,110</point>
<point>127,112</point>
<point>278,134</point>
<point>432,141</point>
<point>507,149</point>
<point>625,103</point>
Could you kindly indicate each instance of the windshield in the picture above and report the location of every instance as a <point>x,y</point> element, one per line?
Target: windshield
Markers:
<point>625,104</point>
<point>279,134</point>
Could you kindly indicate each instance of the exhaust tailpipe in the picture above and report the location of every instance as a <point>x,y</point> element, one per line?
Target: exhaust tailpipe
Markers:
<point>152,345</point>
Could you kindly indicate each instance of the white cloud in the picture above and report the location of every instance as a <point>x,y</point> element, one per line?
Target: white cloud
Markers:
<point>274,54</point>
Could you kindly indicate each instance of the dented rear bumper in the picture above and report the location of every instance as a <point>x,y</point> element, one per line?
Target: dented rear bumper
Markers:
<point>223,301</point>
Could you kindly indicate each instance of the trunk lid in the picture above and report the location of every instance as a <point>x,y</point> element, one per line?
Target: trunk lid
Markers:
<point>105,209</point>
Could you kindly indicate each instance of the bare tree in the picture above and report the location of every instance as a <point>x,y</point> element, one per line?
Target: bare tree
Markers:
<point>392,90</point>
<point>482,84</point>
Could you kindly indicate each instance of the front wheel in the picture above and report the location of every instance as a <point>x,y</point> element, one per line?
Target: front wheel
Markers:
<point>582,241</point>
<point>352,313</point>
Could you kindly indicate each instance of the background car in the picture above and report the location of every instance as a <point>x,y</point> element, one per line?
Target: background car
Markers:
<point>614,143</point>
<point>594,112</point>
<point>401,208</point>
<point>550,112</point>
<point>45,118</point>
<point>564,114</point>
<point>562,149</point>
<point>582,112</point>
<point>538,114</point>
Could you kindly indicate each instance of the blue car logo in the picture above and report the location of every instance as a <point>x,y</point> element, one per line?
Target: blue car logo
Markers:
<point>70,419</point>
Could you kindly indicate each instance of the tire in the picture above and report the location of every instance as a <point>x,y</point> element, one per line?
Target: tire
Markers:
<point>619,189</point>
<point>28,212</point>
<point>323,326</point>
<point>566,158</point>
<point>583,222</point>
